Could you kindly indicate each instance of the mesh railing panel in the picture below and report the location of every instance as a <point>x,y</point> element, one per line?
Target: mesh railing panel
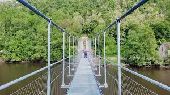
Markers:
<point>130,85</point>
<point>36,87</point>
<point>39,85</point>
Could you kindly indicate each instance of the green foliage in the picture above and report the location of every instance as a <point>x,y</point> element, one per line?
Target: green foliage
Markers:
<point>111,47</point>
<point>140,46</point>
<point>23,35</point>
<point>26,38</point>
<point>162,31</point>
<point>89,27</point>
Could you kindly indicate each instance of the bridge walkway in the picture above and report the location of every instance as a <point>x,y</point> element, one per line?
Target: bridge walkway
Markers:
<point>84,82</point>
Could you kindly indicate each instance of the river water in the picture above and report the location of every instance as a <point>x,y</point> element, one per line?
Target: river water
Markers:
<point>9,72</point>
<point>161,75</point>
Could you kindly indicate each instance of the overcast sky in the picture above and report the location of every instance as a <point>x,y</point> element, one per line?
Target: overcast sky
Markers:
<point>4,0</point>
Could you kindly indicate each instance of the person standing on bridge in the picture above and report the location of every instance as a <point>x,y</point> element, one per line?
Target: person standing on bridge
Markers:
<point>85,53</point>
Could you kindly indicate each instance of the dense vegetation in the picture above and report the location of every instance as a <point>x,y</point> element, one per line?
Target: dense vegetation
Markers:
<point>23,35</point>
<point>144,32</point>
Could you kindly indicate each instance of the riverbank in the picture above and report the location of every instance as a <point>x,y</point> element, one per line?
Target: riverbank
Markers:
<point>153,66</point>
<point>37,61</point>
<point>1,61</point>
<point>113,60</point>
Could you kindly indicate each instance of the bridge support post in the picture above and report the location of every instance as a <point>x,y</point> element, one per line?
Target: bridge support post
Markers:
<point>95,46</point>
<point>118,57</point>
<point>73,55</point>
<point>105,82</point>
<point>49,71</point>
<point>69,56</point>
<point>99,54</point>
<point>73,49</point>
<point>91,44</point>
<point>63,83</point>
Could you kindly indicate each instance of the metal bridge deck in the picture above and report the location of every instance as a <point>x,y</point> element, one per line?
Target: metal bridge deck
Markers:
<point>84,82</point>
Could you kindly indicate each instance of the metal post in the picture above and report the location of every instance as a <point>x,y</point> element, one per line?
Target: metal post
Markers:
<point>49,71</point>
<point>91,49</point>
<point>73,49</point>
<point>75,46</point>
<point>118,57</point>
<point>73,55</point>
<point>77,49</point>
<point>99,53</point>
<point>93,54</point>
<point>63,84</point>
<point>69,55</point>
<point>105,82</point>
<point>95,46</point>
<point>91,44</point>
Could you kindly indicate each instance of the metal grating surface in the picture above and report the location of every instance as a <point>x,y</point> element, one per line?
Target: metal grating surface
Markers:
<point>84,82</point>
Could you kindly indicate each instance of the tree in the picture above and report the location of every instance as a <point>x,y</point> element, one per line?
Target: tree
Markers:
<point>162,31</point>
<point>140,46</point>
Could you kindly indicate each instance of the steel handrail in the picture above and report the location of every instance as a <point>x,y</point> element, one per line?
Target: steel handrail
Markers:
<point>27,76</point>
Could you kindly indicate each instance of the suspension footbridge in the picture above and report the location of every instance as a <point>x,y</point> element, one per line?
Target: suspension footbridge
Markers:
<point>84,72</point>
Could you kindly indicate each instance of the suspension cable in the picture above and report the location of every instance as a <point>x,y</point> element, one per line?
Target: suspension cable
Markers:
<point>39,13</point>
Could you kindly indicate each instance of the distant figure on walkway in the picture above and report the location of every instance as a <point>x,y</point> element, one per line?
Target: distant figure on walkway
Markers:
<point>85,54</point>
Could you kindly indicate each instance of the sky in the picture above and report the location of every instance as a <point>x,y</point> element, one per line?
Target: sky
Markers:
<point>4,0</point>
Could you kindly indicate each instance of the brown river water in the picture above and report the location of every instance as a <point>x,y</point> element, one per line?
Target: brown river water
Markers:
<point>9,72</point>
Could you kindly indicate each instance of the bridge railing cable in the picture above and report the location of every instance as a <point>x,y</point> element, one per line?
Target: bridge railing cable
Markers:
<point>152,81</point>
<point>37,86</point>
<point>130,11</point>
<point>117,22</point>
<point>131,85</point>
<point>163,86</point>
<point>26,76</point>
<point>50,23</point>
<point>39,13</point>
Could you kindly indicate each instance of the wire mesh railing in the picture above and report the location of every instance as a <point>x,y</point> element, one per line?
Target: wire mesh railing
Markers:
<point>132,87</point>
<point>37,85</point>
<point>131,84</point>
